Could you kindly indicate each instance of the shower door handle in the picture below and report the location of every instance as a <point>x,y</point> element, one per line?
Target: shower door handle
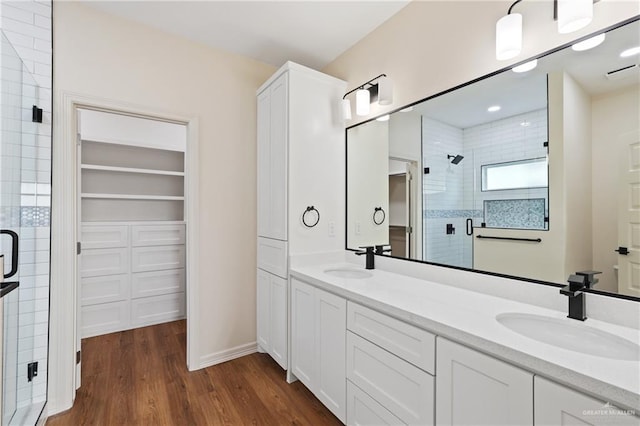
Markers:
<point>14,252</point>
<point>469,226</point>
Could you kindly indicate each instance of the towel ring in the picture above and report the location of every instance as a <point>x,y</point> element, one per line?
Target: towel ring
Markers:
<point>375,215</point>
<point>304,217</point>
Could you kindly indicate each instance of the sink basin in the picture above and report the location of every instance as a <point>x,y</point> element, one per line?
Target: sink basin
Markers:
<point>571,335</point>
<point>351,273</point>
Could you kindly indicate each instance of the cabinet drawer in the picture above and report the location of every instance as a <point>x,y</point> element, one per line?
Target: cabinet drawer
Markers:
<point>157,309</point>
<point>406,341</point>
<point>104,289</point>
<point>108,236</point>
<point>272,256</point>
<point>158,258</point>
<point>155,283</point>
<point>364,410</point>
<point>403,388</point>
<point>98,262</point>
<point>157,235</point>
<point>105,318</point>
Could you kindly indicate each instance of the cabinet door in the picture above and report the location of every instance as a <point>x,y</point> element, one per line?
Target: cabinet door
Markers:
<point>264,115</point>
<point>331,324</point>
<point>278,159</point>
<point>303,353</point>
<point>364,410</point>
<point>558,405</point>
<point>262,306</point>
<point>473,388</point>
<point>278,319</point>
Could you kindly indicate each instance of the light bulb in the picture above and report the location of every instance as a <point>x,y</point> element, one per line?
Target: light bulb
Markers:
<point>574,15</point>
<point>508,36</point>
<point>346,109</point>
<point>589,43</point>
<point>363,99</point>
<point>385,91</point>
<point>527,66</point>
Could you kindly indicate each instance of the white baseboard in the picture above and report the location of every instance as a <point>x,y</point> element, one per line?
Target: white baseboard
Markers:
<point>228,354</point>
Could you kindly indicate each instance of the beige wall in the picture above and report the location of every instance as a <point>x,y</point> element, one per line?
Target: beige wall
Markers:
<point>576,145</point>
<point>103,56</point>
<point>613,115</point>
<point>431,46</point>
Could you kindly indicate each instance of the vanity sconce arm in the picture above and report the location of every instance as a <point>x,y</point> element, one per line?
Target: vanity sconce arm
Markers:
<point>364,84</point>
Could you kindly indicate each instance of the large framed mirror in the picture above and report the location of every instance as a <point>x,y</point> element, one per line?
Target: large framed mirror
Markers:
<point>532,172</point>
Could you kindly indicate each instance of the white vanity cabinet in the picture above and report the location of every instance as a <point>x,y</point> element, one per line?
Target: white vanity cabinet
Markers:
<point>272,316</point>
<point>299,142</point>
<point>474,388</point>
<point>318,327</point>
<point>555,404</point>
<point>390,367</point>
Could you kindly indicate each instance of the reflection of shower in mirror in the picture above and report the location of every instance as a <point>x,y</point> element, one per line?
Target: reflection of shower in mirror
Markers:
<point>456,158</point>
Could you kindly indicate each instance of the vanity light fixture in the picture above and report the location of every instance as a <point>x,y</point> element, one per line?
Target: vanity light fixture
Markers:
<point>363,101</point>
<point>378,89</point>
<point>494,108</point>
<point>589,43</point>
<point>571,15</point>
<point>630,52</point>
<point>527,66</point>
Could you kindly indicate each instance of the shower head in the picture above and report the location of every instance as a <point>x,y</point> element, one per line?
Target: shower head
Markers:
<point>456,158</point>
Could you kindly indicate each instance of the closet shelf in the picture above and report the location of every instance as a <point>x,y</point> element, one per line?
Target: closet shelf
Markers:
<point>130,170</point>
<point>131,197</point>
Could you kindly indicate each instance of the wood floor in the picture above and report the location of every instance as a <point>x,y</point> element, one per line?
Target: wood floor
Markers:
<point>139,377</point>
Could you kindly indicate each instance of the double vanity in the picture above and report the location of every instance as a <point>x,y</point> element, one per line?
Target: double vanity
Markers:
<point>378,347</point>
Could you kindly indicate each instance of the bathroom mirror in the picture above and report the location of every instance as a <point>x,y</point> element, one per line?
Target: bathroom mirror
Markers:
<point>530,174</point>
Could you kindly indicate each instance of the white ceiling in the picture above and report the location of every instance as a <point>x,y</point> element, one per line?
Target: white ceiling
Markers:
<point>312,33</point>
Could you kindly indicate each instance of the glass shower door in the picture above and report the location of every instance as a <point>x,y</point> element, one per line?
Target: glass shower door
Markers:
<point>12,113</point>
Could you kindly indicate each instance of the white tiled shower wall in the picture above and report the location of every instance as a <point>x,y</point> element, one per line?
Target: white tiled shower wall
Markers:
<point>27,26</point>
<point>452,193</point>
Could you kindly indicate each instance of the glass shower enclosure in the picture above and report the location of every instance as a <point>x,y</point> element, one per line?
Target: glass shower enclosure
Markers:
<point>23,201</point>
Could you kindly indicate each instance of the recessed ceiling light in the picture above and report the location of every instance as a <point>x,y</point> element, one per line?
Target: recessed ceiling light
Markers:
<point>527,66</point>
<point>589,43</point>
<point>383,118</point>
<point>525,123</point>
<point>630,52</point>
<point>494,108</point>
<point>407,109</point>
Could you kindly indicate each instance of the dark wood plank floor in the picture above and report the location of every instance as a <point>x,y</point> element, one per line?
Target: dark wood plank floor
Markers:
<point>139,377</point>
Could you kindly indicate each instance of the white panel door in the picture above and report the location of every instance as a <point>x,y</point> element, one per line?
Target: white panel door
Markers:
<point>264,126</point>
<point>561,406</point>
<point>476,389</point>
<point>278,159</point>
<point>629,217</point>
<point>331,325</point>
<point>278,319</point>
<point>303,354</point>
<point>263,308</point>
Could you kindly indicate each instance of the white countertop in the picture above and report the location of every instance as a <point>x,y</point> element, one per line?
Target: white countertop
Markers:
<point>469,318</point>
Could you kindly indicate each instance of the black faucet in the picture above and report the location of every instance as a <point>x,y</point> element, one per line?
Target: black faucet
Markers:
<point>382,250</point>
<point>577,283</point>
<point>370,261</point>
<point>590,279</point>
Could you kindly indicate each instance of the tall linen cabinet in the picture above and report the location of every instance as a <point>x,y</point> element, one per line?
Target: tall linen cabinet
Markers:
<point>301,179</point>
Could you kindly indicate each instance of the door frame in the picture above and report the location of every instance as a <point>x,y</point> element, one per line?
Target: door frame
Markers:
<point>63,326</point>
